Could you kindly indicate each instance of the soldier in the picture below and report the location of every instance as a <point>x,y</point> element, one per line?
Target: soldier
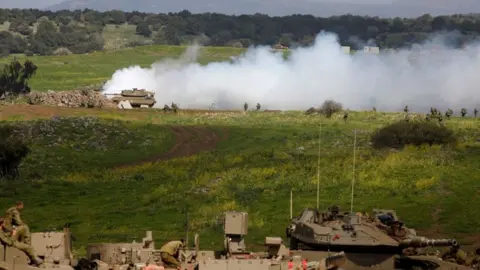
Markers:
<point>12,218</point>
<point>169,253</point>
<point>7,239</point>
<point>454,255</point>
<point>333,212</point>
<point>474,261</point>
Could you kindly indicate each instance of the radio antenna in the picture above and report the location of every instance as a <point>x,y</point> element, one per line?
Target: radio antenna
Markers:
<point>186,227</point>
<point>291,204</point>
<point>353,174</point>
<point>318,165</point>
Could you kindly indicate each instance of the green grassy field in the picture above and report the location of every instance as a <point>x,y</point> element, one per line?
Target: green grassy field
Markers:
<point>72,173</point>
<point>73,71</point>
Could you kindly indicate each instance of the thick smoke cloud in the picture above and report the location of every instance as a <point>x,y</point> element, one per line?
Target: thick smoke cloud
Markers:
<point>419,77</point>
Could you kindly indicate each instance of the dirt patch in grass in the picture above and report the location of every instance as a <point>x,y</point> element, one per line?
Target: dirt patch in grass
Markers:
<point>189,140</point>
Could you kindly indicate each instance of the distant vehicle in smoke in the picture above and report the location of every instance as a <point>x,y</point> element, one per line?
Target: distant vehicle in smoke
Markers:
<point>136,97</point>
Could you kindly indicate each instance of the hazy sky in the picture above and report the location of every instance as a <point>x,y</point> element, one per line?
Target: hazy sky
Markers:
<point>28,3</point>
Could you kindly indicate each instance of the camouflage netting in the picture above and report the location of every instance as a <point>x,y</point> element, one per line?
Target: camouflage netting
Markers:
<point>72,99</point>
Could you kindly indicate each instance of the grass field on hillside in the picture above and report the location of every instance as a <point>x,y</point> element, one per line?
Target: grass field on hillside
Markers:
<point>73,71</point>
<point>119,36</point>
<point>255,159</point>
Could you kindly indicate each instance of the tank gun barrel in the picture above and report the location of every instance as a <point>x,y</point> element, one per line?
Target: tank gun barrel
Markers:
<point>426,242</point>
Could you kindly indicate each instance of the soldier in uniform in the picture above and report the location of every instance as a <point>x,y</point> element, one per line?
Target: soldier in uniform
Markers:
<point>454,255</point>
<point>169,253</point>
<point>333,212</point>
<point>474,261</point>
<point>12,218</point>
<point>7,239</point>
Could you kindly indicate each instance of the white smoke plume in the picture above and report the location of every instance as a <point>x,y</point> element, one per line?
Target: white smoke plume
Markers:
<point>419,77</point>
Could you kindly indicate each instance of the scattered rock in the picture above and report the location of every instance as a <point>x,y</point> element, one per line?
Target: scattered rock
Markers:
<point>72,99</point>
<point>124,104</point>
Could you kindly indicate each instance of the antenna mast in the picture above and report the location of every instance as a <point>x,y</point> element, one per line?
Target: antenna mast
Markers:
<point>186,228</point>
<point>353,175</point>
<point>291,204</point>
<point>318,166</point>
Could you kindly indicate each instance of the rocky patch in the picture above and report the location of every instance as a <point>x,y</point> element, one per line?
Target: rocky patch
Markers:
<point>71,99</point>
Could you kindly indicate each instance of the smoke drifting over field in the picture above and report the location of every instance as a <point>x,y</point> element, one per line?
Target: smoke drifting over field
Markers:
<point>442,78</point>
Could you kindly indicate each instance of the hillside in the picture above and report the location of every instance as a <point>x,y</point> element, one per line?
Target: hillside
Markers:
<point>76,71</point>
<point>41,32</point>
<point>119,174</point>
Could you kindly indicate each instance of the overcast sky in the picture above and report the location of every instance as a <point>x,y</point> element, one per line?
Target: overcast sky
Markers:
<point>28,3</point>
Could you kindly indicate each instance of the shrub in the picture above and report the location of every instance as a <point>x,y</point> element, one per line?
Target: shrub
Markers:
<point>329,107</point>
<point>12,151</point>
<point>399,134</point>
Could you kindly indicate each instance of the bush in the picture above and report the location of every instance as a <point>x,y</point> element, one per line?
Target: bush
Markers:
<point>329,107</point>
<point>12,151</point>
<point>399,134</point>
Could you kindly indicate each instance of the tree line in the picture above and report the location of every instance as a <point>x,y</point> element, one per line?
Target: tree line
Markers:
<point>43,32</point>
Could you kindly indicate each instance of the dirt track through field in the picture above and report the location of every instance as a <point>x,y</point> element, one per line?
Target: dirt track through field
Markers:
<point>189,140</point>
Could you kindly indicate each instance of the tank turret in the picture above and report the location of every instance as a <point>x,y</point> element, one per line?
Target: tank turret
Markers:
<point>135,92</point>
<point>380,240</point>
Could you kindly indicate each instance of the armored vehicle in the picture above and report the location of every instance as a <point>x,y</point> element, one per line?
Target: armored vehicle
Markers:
<point>233,255</point>
<point>377,242</point>
<point>136,97</point>
<point>53,247</point>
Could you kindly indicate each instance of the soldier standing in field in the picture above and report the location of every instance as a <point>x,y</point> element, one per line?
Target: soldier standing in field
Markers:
<point>7,238</point>
<point>169,253</point>
<point>12,218</point>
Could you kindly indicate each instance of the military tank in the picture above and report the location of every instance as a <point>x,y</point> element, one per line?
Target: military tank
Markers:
<point>55,248</point>
<point>136,97</point>
<point>380,241</point>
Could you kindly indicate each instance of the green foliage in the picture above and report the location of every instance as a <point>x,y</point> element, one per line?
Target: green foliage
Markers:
<point>86,29</point>
<point>11,44</point>
<point>399,134</point>
<point>253,169</point>
<point>143,29</point>
<point>329,107</point>
<point>20,27</point>
<point>75,143</point>
<point>62,72</point>
<point>117,17</point>
<point>14,78</point>
<point>12,152</point>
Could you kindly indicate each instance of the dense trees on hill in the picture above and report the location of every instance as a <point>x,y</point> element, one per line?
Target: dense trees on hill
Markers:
<point>44,32</point>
